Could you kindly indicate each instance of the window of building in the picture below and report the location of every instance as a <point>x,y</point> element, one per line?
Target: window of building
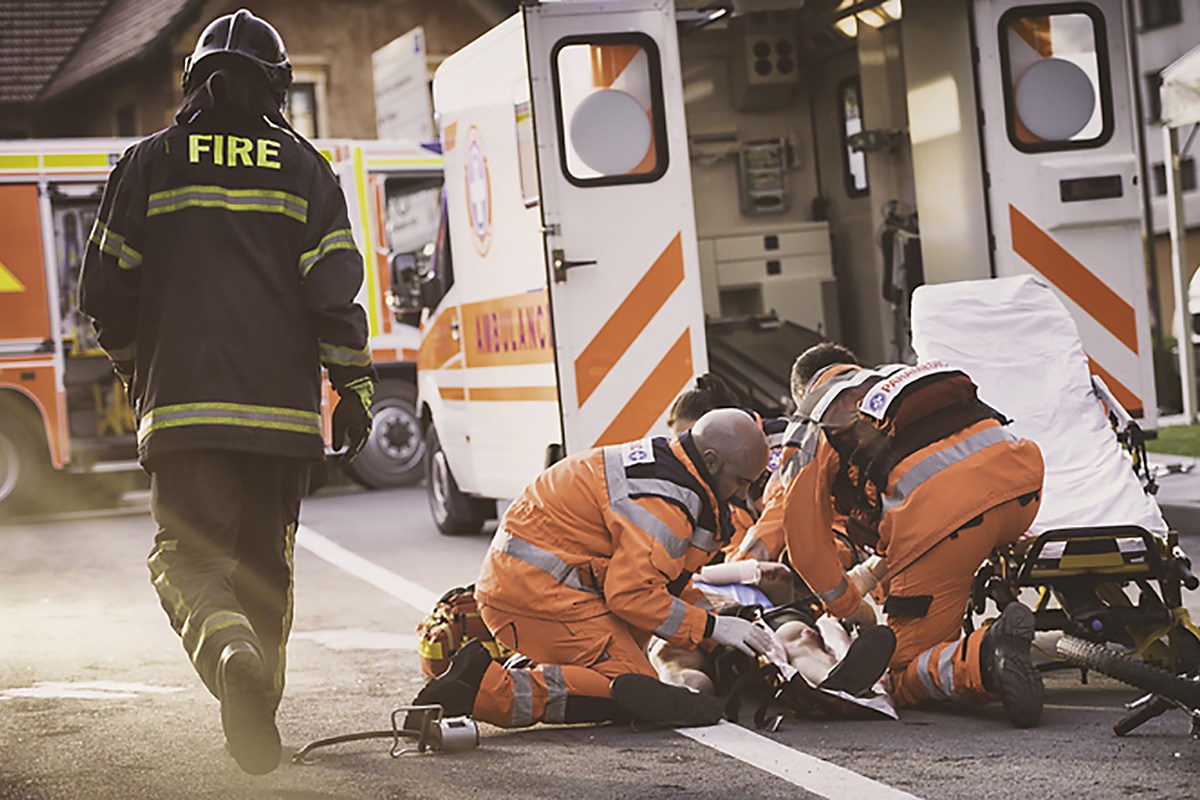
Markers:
<point>1054,60</point>
<point>127,121</point>
<point>610,119</point>
<point>1187,176</point>
<point>1159,13</point>
<point>306,108</point>
<point>854,162</point>
<point>302,109</point>
<point>1153,102</point>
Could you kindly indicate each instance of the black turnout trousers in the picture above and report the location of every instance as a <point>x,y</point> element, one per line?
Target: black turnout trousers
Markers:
<point>222,557</point>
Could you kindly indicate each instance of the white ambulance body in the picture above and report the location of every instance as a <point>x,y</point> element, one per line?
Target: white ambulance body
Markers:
<point>618,173</point>
<point>62,409</point>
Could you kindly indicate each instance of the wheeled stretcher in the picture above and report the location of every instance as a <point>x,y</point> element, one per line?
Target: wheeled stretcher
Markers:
<point>1099,555</point>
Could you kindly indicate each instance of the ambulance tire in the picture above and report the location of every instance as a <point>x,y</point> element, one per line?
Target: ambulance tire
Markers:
<point>25,472</point>
<point>395,451</point>
<point>454,513</point>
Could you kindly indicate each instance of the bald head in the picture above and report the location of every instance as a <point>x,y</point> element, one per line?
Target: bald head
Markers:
<point>734,450</point>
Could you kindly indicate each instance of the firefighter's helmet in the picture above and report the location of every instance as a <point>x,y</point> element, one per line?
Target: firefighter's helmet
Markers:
<point>243,38</point>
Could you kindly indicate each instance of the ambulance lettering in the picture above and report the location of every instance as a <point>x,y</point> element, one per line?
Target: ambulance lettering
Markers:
<point>876,403</point>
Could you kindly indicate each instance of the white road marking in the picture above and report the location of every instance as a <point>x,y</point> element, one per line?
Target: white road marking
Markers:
<point>404,590</point>
<point>794,766</point>
<point>798,768</point>
<point>87,690</point>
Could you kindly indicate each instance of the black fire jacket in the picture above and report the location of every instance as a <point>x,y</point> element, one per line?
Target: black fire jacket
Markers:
<point>221,275</point>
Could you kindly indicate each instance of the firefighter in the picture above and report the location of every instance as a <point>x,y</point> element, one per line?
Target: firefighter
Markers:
<point>934,487</point>
<point>220,276</point>
<point>594,557</point>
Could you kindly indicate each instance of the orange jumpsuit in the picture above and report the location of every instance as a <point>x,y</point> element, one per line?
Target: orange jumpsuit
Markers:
<point>765,540</point>
<point>589,561</point>
<point>945,507</point>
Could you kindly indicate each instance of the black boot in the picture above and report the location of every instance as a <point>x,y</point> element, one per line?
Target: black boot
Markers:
<point>456,688</point>
<point>651,701</point>
<point>864,663</point>
<point>1008,669</point>
<point>246,711</point>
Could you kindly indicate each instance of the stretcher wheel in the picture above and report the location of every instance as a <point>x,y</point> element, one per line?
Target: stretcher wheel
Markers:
<point>1135,672</point>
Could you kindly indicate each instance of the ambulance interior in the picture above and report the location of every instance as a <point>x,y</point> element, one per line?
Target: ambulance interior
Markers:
<point>800,209</point>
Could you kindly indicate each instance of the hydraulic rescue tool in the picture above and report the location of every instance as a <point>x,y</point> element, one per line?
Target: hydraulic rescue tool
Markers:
<point>433,734</point>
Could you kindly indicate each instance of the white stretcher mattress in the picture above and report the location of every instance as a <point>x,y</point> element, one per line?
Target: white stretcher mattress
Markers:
<point>1019,344</point>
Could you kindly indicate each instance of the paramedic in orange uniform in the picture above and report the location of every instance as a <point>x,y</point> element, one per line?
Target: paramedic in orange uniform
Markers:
<point>946,507</point>
<point>594,557</point>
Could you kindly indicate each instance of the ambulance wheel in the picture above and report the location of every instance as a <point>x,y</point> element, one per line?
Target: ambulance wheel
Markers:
<point>24,463</point>
<point>454,513</point>
<point>393,454</point>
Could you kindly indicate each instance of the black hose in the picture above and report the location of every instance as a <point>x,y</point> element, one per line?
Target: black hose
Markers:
<point>1135,672</point>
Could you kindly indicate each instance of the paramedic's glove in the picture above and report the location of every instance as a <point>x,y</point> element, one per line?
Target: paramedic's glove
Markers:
<point>863,616</point>
<point>352,417</point>
<point>866,576</point>
<point>742,634</point>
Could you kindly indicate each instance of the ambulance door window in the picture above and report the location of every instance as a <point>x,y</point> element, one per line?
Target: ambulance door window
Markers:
<point>1056,77</point>
<point>609,109</point>
<point>854,161</point>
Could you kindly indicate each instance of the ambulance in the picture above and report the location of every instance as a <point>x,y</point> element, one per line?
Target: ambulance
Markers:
<point>61,408</point>
<point>621,176</point>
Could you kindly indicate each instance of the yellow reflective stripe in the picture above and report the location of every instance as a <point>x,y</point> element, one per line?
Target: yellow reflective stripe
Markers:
<point>234,414</point>
<point>158,577</point>
<point>194,640</point>
<point>289,549</point>
<point>270,201</point>
<point>114,244</point>
<point>64,160</point>
<point>332,355</point>
<point>22,162</point>
<point>340,239</point>
<point>129,258</point>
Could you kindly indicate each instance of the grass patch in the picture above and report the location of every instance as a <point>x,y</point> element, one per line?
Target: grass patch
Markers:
<point>1177,440</point>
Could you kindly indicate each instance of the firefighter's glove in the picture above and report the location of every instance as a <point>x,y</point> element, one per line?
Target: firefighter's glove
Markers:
<point>741,634</point>
<point>352,417</point>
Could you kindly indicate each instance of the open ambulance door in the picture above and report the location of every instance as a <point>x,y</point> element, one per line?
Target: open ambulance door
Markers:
<point>1061,154</point>
<point>617,216</point>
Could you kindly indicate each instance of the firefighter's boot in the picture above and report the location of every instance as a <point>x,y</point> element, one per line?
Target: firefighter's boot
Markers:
<point>1008,669</point>
<point>651,701</point>
<point>864,663</point>
<point>456,689</point>
<point>247,713</point>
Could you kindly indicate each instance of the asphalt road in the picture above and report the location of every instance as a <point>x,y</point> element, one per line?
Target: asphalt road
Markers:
<point>97,699</point>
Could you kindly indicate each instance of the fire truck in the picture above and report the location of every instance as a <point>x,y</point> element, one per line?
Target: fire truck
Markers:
<point>61,408</point>
<point>623,174</point>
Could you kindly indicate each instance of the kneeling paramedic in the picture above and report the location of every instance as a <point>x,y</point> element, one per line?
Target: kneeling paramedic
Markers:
<point>594,557</point>
<point>931,480</point>
<point>221,275</point>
